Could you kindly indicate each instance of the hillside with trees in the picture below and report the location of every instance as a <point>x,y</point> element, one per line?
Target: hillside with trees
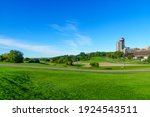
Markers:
<point>15,56</point>
<point>69,59</point>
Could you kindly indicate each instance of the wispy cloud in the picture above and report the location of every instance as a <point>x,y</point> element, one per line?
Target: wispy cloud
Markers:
<point>43,49</point>
<point>69,27</point>
<point>83,40</point>
<point>73,42</point>
<point>76,38</point>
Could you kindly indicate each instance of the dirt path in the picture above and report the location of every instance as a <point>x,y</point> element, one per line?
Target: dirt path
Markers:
<point>73,69</point>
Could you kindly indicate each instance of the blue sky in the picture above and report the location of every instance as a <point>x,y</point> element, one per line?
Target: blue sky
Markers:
<point>47,28</point>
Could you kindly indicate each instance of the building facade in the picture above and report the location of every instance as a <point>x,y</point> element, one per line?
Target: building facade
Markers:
<point>139,53</point>
<point>143,54</point>
<point>120,45</point>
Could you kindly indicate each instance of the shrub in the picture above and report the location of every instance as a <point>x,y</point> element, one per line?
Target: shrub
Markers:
<point>94,64</point>
<point>34,60</point>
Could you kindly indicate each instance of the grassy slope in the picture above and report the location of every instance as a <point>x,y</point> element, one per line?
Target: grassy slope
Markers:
<point>142,65</point>
<point>25,83</point>
<point>105,59</point>
<point>49,65</point>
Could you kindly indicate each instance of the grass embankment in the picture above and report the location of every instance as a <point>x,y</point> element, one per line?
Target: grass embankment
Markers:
<point>23,83</point>
<point>110,60</point>
<point>115,64</point>
<point>46,64</point>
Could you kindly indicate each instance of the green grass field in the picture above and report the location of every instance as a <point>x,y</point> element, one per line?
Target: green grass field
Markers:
<point>82,64</point>
<point>40,84</point>
<point>106,59</point>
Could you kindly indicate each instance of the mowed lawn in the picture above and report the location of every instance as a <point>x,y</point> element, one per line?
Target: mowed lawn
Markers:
<point>40,84</point>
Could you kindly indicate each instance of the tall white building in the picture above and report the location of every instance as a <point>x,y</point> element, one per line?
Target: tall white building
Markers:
<point>120,45</point>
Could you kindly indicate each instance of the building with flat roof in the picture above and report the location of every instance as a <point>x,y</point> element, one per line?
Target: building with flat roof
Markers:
<point>143,54</point>
<point>120,45</point>
<point>139,53</point>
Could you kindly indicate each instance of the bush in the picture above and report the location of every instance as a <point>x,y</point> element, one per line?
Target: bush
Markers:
<point>34,60</point>
<point>31,60</point>
<point>94,64</point>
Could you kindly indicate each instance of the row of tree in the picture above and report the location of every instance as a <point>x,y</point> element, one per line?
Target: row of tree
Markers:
<point>31,60</point>
<point>69,59</point>
<point>15,56</point>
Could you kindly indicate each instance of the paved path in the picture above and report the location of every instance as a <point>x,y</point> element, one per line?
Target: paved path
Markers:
<point>74,69</point>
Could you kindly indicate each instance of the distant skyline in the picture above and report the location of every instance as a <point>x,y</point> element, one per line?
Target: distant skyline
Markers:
<point>47,28</point>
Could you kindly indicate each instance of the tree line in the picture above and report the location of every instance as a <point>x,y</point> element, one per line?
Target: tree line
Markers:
<point>15,56</point>
<point>69,59</point>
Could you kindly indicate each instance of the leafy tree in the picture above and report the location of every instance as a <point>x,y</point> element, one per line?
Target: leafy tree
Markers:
<point>5,57</point>
<point>1,58</point>
<point>119,54</point>
<point>26,59</point>
<point>44,59</point>
<point>129,55</point>
<point>83,56</point>
<point>34,60</point>
<point>15,56</point>
<point>70,59</point>
<point>148,59</point>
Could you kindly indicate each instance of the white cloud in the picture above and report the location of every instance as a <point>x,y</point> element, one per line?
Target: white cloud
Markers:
<point>43,49</point>
<point>77,39</point>
<point>83,40</point>
<point>71,43</point>
<point>68,27</point>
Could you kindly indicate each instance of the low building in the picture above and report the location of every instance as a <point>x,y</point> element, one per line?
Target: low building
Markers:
<point>141,54</point>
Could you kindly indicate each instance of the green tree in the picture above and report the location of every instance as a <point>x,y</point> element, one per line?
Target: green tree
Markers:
<point>148,59</point>
<point>26,59</point>
<point>34,60</point>
<point>70,59</point>
<point>129,55</point>
<point>118,54</point>
<point>5,57</point>
<point>15,56</point>
<point>1,58</point>
<point>83,56</point>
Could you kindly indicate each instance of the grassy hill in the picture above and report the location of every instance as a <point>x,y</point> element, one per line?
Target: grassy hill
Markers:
<point>29,83</point>
<point>106,59</point>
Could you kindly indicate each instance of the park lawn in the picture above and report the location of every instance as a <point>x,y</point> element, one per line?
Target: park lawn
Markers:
<point>41,84</point>
<point>48,64</point>
<point>98,59</point>
<point>110,60</point>
<point>78,65</point>
<point>119,67</point>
